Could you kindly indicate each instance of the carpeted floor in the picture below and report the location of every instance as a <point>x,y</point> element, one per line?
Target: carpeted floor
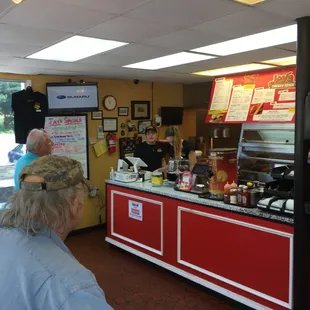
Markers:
<point>132,284</point>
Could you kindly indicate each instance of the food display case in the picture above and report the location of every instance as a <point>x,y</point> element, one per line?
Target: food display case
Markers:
<point>266,157</point>
<point>263,147</point>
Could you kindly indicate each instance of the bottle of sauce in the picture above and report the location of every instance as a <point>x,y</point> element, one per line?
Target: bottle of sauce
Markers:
<point>239,195</point>
<point>233,193</point>
<point>233,196</point>
<point>227,193</point>
<point>233,185</point>
<point>246,197</point>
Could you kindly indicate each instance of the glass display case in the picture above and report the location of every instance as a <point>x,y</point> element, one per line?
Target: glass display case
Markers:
<point>263,147</point>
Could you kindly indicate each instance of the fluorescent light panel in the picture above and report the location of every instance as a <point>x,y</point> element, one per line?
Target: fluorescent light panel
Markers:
<point>76,48</point>
<point>169,61</point>
<point>285,61</point>
<point>249,2</point>
<point>234,69</point>
<point>252,42</point>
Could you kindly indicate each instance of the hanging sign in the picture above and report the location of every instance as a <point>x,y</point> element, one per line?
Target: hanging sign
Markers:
<point>263,97</point>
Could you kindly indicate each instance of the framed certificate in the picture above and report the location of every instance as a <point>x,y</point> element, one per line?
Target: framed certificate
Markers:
<point>110,124</point>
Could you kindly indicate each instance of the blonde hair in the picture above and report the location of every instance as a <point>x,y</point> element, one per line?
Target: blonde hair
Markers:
<point>32,210</point>
<point>174,132</point>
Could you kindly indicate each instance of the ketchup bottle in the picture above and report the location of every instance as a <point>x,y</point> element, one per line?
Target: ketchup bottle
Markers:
<point>245,197</point>
<point>226,193</point>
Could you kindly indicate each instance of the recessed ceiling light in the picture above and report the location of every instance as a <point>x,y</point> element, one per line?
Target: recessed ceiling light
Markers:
<point>252,42</point>
<point>17,1</point>
<point>249,2</point>
<point>235,69</point>
<point>285,61</point>
<point>169,61</point>
<point>76,48</point>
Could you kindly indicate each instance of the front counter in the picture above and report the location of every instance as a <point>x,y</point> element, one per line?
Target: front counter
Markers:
<point>244,254</point>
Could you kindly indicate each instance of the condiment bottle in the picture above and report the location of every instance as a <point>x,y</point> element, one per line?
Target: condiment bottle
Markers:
<point>239,195</point>
<point>246,197</point>
<point>233,185</point>
<point>233,196</point>
<point>111,173</point>
<point>226,193</point>
<point>233,193</point>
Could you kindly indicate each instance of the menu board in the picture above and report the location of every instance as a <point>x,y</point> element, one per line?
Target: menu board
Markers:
<point>69,134</point>
<point>262,97</point>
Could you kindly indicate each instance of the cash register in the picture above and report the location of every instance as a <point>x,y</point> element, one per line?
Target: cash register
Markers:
<point>123,174</point>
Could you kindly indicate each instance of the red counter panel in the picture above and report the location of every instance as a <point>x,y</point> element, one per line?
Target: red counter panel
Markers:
<point>246,256</point>
<point>145,231</point>
<point>242,257</point>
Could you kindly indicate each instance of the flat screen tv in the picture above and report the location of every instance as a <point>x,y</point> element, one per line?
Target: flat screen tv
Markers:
<point>171,115</point>
<point>72,97</point>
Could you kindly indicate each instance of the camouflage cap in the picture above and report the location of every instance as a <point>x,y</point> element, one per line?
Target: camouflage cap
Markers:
<point>58,172</point>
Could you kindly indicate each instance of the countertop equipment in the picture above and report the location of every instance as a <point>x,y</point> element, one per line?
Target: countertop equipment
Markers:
<point>266,155</point>
<point>196,181</point>
<point>279,194</point>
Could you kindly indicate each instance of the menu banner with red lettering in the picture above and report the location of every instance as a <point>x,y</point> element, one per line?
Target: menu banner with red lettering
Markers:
<point>262,97</point>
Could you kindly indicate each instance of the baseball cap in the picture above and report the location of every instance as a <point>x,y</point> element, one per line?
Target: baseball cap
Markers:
<point>58,172</point>
<point>150,128</point>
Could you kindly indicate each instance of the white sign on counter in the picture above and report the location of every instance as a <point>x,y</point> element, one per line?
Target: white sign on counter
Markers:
<point>135,210</point>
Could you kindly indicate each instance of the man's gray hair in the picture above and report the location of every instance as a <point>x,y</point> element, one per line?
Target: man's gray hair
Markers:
<point>35,137</point>
<point>33,210</point>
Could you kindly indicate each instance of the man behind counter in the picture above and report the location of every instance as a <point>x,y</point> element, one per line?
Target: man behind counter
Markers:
<point>151,151</point>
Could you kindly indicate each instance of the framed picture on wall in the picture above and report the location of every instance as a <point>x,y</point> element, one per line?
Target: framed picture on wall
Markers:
<point>142,125</point>
<point>97,115</point>
<point>110,124</point>
<point>123,111</point>
<point>140,110</point>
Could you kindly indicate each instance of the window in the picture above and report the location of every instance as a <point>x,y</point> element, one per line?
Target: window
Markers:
<point>10,152</point>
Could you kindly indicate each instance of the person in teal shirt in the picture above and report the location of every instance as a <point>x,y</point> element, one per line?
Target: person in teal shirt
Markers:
<point>39,143</point>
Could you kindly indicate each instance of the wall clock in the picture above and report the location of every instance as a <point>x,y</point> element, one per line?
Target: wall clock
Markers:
<point>109,103</point>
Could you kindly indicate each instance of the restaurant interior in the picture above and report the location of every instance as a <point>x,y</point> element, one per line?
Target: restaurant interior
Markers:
<point>225,73</point>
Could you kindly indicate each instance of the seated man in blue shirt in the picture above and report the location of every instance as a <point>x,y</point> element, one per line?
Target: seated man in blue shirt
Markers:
<point>38,143</point>
<point>37,270</point>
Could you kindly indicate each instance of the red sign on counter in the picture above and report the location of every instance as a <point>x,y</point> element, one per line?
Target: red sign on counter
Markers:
<point>262,97</point>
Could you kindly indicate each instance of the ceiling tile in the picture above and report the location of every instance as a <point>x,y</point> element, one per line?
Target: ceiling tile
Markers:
<point>184,12</point>
<point>290,8</point>
<point>53,15</point>
<point>5,60</point>
<point>128,30</point>
<point>5,5</point>
<point>111,6</point>
<point>243,23</point>
<point>31,36</point>
<point>16,50</point>
<point>289,46</point>
<point>185,39</point>
<point>18,70</point>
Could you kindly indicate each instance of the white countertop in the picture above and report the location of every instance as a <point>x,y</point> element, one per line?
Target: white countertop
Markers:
<point>167,190</point>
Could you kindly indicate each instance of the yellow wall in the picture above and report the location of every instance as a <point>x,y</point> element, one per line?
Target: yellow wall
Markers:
<point>124,92</point>
<point>189,123</point>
